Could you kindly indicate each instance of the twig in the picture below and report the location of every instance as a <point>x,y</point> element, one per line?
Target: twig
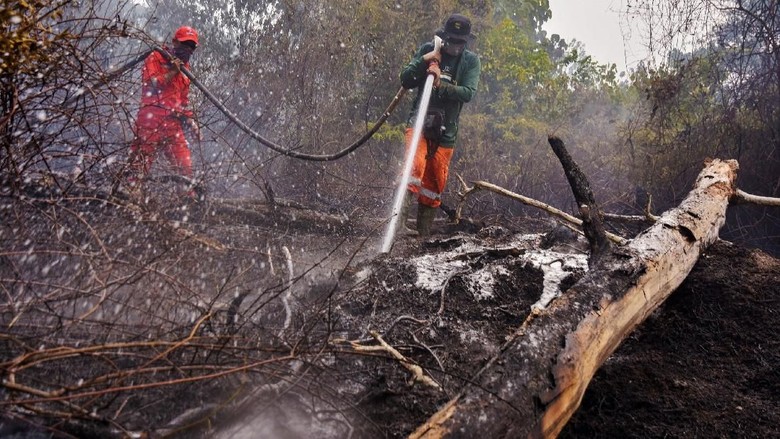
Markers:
<point>443,288</point>
<point>417,372</point>
<point>462,194</point>
<point>544,206</point>
<point>647,217</point>
<point>430,351</point>
<point>392,325</point>
<point>270,261</point>
<point>152,385</point>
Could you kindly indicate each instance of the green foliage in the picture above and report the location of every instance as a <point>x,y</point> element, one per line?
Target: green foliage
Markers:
<point>529,15</point>
<point>509,54</point>
<point>389,133</point>
<point>586,72</point>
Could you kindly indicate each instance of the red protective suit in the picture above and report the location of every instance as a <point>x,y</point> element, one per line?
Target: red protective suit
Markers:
<point>159,123</point>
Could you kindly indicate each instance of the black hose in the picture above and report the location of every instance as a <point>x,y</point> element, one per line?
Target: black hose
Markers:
<point>111,75</point>
<point>276,147</point>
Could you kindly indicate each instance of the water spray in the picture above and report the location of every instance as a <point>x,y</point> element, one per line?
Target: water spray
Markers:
<point>419,120</point>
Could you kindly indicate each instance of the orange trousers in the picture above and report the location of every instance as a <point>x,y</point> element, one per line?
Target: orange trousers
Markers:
<point>158,132</point>
<point>429,171</point>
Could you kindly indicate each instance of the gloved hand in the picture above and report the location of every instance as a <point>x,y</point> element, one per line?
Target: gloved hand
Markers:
<point>175,65</point>
<point>435,54</point>
<point>174,68</point>
<point>433,68</point>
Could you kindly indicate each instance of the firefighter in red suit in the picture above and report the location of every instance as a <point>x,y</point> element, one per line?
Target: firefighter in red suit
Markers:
<point>164,100</point>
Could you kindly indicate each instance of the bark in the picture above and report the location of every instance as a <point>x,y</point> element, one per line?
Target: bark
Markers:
<point>536,382</point>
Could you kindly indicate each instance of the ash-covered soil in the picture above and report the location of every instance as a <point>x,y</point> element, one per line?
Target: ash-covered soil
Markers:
<point>704,365</point>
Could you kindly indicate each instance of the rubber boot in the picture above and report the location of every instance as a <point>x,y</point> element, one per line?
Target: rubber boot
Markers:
<point>425,215</point>
<point>403,215</point>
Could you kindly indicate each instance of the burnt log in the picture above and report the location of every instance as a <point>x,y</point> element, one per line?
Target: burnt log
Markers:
<point>592,218</point>
<point>535,383</point>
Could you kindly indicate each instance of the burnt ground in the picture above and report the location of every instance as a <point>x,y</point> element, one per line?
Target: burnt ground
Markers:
<point>703,365</point>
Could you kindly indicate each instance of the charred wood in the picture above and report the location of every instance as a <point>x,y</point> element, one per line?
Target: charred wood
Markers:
<point>592,218</point>
<point>536,382</point>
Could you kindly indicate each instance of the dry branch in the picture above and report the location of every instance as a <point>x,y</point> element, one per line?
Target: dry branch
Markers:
<point>418,375</point>
<point>515,395</point>
<point>647,218</point>
<point>744,197</point>
<point>540,205</point>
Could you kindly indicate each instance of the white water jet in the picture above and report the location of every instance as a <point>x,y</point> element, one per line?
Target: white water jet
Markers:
<point>392,226</point>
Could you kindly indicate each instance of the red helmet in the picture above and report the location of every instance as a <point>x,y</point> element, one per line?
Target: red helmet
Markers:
<point>186,33</point>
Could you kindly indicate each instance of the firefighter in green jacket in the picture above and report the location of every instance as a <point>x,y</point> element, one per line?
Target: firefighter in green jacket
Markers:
<point>456,71</point>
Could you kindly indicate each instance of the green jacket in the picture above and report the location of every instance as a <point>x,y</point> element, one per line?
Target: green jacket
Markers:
<point>449,96</point>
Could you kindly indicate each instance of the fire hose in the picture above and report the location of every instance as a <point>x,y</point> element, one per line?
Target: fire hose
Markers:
<point>411,151</point>
<point>243,126</point>
<point>275,147</point>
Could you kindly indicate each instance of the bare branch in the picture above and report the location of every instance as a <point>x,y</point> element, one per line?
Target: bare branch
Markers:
<point>540,205</point>
<point>741,197</point>
<point>418,375</point>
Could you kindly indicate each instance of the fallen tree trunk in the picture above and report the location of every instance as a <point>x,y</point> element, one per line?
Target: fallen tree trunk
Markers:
<point>536,382</point>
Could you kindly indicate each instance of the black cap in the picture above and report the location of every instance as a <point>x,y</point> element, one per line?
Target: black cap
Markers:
<point>457,27</point>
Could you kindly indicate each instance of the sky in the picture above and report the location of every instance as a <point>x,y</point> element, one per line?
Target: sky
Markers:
<point>601,27</point>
